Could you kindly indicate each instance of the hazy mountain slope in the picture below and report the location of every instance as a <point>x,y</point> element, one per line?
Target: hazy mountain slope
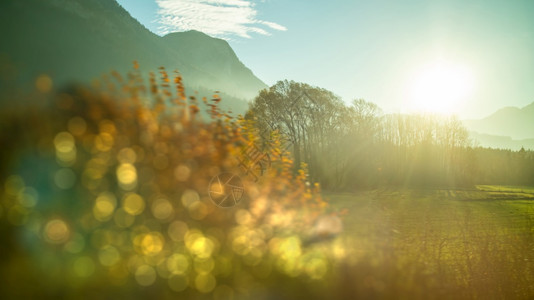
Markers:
<point>216,55</point>
<point>74,39</point>
<point>501,142</point>
<point>509,122</point>
<point>77,40</point>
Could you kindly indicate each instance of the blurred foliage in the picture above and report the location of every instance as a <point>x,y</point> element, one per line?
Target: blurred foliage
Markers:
<point>104,191</point>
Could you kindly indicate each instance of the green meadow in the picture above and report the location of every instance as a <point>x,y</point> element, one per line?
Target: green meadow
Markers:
<point>439,243</point>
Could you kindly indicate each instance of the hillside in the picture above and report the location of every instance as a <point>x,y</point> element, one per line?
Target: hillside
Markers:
<point>78,40</point>
<point>510,122</point>
<point>500,142</point>
<point>216,55</point>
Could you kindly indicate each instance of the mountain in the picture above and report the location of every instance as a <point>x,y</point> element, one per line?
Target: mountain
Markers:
<point>500,142</point>
<point>513,122</point>
<point>78,40</point>
<point>216,55</point>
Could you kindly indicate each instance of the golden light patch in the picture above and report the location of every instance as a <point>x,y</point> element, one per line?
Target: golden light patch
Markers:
<point>56,231</point>
<point>43,83</point>
<point>133,204</point>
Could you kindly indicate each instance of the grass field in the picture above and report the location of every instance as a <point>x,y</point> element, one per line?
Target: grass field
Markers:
<point>438,243</point>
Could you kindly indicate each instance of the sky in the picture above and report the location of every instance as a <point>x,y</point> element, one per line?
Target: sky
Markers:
<point>464,57</point>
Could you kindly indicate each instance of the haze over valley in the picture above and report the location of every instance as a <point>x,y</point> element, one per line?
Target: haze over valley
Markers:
<point>266,149</point>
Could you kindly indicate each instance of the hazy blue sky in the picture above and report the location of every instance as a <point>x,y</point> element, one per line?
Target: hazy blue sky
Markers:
<point>370,49</point>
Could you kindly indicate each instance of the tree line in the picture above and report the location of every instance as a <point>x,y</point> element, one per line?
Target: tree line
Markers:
<point>357,145</point>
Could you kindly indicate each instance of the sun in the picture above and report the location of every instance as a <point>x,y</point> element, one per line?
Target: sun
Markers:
<point>441,87</point>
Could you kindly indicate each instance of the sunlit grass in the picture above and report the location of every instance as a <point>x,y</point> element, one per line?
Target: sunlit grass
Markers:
<point>507,188</point>
<point>442,243</point>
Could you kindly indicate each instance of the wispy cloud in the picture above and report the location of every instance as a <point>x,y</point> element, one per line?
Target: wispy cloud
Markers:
<point>220,18</point>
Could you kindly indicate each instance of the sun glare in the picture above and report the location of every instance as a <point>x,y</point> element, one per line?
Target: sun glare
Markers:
<point>441,87</point>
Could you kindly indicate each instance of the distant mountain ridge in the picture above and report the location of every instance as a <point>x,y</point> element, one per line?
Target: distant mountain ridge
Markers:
<point>78,40</point>
<point>500,142</point>
<point>513,122</point>
<point>205,53</point>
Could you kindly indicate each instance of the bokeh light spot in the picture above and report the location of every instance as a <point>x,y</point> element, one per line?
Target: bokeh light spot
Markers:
<point>316,268</point>
<point>76,244</point>
<point>182,173</point>
<point>127,156</point>
<point>104,141</point>
<point>162,209</point>
<point>107,126</point>
<point>84,266</point>
<point>204,266</point>
<point>123,219</point>
<point>198,210</point>
<point>152,243</point>
<point>202,247</point>
<point>133,204</point>
<point>205,283</point>
<point>145,275</point>
<point>77,126</point>
<point>178,263</point>
<point>43,83</point>
<point>189,197</point>
<point>65,178</point>
<point>64,142</point>
<point>28,197</point>
<point>56,231</point>
<point>104,206</point>
<point>290,248</point>
<point>127,176</point>
<point>109,256</point>
<point>65,148</point>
